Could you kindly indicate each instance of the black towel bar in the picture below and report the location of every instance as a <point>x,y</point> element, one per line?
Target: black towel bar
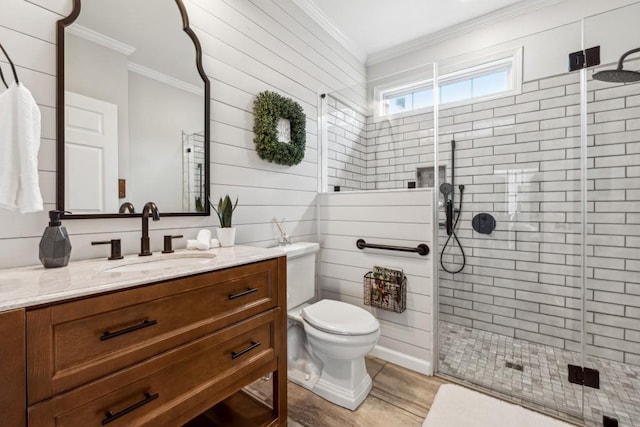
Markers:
<point>422,248</point>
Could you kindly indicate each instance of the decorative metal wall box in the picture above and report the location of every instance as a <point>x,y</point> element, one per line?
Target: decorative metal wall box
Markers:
<point>386,288</point>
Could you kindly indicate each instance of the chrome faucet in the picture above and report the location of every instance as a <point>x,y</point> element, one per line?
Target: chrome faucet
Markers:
<point>150,207</point>
<point>284,237</point>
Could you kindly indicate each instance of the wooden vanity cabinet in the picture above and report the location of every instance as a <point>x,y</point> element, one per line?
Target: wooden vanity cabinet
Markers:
<point>159,354</point>
<point>12,369</point>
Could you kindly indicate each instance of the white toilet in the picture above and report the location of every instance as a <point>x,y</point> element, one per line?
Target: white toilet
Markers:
<point>327,340</point>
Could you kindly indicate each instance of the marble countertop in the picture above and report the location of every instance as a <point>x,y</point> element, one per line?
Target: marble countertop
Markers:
<point>34,285</point>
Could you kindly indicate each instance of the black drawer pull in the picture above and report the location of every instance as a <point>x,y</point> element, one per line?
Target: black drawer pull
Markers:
<point>241,294</point>
<point>112,417</point>
<point>235,355</point>
<point>108,335</point>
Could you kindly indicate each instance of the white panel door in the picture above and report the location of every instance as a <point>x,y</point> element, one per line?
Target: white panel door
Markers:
<point>91,155</point>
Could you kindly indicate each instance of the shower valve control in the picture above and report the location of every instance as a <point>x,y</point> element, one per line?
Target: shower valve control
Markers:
<point>484,223</point>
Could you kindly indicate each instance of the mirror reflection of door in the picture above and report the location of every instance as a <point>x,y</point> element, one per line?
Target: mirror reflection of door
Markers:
<point>91,150</point>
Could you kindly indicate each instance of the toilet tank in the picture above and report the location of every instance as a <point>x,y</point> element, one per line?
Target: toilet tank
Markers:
<point>301,272</point>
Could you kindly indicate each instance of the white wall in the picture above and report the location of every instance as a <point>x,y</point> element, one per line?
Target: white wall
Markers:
<point>249,46</point>
<point>550,49</point>
<point>396,217</point>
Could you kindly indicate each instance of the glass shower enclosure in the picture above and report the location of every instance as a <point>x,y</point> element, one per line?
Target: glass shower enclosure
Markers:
<point>536,207</point>
<point>612,286</point>
<point>538,245</point>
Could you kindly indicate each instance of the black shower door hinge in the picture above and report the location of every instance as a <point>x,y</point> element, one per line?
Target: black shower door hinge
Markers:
<point>584,58</point>
<point>584,376</point>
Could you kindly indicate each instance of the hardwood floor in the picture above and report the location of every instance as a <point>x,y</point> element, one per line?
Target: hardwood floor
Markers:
<point>399,397</point>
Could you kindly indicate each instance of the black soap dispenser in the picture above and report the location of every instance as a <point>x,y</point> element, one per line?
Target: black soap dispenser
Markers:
<point>55,247</point>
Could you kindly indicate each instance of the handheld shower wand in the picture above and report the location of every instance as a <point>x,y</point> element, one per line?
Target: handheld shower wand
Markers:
<point>448,191</point>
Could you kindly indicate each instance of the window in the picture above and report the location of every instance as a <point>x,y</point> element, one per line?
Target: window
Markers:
<point>405,99</point>
<point>486,80</point>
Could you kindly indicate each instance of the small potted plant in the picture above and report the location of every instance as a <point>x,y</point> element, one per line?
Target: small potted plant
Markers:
<point>226,233</point>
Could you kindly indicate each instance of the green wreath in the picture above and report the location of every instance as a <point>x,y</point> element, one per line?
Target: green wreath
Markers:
<point>268,108</point>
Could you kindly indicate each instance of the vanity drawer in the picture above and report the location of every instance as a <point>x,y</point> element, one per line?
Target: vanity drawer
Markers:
<point>173,386</point>
<point>74,343</point>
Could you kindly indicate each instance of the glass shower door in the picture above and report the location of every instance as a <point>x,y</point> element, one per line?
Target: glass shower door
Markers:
<point>613,261</point>
<point>510,280</point>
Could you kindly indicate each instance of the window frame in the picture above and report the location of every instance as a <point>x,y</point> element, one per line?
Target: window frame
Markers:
<point>510,61</point>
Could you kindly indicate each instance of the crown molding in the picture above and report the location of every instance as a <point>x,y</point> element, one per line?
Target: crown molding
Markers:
<point>163,78</point>
<point>99,38</point>
<point>312,10</point>
<point>486,20</point>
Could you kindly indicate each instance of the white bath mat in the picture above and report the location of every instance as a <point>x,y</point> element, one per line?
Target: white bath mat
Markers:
<point>456,406</point>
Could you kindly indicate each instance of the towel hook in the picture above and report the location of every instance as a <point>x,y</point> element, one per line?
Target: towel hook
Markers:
<point>13,67</point>
<point>3,80</point>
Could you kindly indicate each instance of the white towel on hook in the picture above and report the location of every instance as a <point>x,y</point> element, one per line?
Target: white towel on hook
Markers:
<point>19,145</point>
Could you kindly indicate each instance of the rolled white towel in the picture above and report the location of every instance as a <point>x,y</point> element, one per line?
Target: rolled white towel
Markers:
<point>203,246</point>
<point>204,239</point>
<point>214,243</point>
<point>192,244</point>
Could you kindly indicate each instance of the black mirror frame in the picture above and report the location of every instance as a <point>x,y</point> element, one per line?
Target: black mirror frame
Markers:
<point>60,133</point>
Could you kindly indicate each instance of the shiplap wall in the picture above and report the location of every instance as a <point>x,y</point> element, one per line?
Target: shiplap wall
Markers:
<point>249,46</point>
<point>399,217</point>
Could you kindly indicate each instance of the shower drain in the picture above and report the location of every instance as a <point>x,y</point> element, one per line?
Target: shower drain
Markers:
<point>515,366</point>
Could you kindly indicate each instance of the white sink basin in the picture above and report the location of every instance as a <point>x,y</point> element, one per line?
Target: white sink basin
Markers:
<point>162,262</point>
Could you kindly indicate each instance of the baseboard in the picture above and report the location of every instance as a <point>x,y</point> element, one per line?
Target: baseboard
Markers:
<point>401,359</point>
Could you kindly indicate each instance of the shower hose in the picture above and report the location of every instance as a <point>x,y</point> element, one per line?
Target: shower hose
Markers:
<point>455,237</point>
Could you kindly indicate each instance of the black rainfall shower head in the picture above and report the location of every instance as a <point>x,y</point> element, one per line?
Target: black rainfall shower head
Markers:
<point>446,189</point>
<point>619,75</point>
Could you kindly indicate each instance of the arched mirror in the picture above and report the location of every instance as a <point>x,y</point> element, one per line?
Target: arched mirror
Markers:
<point>133,111</point>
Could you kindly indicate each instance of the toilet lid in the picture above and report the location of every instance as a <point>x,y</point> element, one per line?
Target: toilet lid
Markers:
<point>340,318</point>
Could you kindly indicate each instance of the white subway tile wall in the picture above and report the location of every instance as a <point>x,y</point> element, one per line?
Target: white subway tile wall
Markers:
<point>518,158</point>
<point>347,146</point>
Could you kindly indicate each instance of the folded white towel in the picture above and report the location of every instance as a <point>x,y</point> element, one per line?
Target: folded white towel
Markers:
<point>204,239</point>
<point>214,243</point>
<point>192,244</point>
<point>19,145</point>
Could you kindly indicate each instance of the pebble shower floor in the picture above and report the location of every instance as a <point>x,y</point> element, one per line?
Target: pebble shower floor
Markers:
<point>482,357</point>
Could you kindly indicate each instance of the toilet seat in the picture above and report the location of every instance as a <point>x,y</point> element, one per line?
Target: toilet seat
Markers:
<point>336,317</point>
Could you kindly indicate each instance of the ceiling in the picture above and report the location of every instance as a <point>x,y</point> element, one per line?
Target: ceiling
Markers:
<point>377,25</point>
